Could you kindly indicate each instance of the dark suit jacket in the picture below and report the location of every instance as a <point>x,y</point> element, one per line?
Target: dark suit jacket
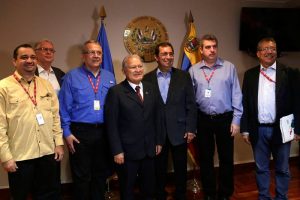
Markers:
<point>180,111</point>
<point>133,127</point>
<point>286,100</point>
<point>58,73</point>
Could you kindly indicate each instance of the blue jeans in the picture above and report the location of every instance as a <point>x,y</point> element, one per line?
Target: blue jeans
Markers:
<point>262,152</point>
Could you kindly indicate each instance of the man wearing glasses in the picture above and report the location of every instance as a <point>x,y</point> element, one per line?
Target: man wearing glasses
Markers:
<point>44,50</point>
<point>269,93</point>
<point>82,98</point>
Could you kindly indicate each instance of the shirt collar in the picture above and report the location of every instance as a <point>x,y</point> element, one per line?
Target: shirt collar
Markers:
<point>42,70</point>
<point>218,63</point>
<point>134,85</point>
<point>271,67</point>
<point>20,77</point>
<point>87,71</point>
<point>160,73</point>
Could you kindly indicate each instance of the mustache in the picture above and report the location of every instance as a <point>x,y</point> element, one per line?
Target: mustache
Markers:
<point>135,74</point>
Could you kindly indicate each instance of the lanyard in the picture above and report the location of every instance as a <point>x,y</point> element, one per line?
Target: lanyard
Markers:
<point>95,88</point>
<point>210,76</point>
<point>267,77</point>
<point>33,99</point>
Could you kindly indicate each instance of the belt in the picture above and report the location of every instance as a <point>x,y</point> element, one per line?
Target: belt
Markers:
<point>87,125</point>
<point>217,116</point>
<point>266,124</point>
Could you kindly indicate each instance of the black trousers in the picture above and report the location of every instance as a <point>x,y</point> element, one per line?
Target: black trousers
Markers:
<point>213,131</point>
<point>37,177</point>
<point>179,158</point>
<point>142,170</point>
<point>90,165</point>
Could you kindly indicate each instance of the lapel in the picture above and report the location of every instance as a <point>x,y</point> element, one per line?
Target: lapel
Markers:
<point>255,85</point>
<point>147,94</point>
<point>173,84</point>
<point>131,94</point>
<point>279,80</point>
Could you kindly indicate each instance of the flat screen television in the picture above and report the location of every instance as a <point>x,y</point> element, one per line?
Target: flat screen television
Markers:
<point>283,24</point>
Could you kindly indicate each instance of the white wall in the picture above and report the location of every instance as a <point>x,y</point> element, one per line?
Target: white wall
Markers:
<point>68,23</point>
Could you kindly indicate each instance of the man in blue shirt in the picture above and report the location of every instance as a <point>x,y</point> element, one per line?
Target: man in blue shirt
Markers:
<point>177,101</point>
<point>82,99</point>
<point>219,101</point>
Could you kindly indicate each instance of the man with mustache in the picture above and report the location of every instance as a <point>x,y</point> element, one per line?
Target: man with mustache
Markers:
<point>134,131</point>
<point>82,98</point>
<point>219,101</point>
<point>31,141</point>
<point>269,93</point>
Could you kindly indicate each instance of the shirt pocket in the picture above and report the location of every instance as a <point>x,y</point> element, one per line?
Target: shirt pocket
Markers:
<point>16,105</point>
<point>82,93</point>
<point>44,101</point>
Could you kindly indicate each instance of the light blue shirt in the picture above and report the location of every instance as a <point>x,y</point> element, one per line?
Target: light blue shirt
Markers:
<point>224,87</point>
<point>266,96</point>
<point>163,80</point>
<point>77,96</point>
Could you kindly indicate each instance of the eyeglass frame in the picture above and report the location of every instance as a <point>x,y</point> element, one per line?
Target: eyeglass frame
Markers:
<point>46,49</point>
<point>94,53</point>
<point>273,49</point>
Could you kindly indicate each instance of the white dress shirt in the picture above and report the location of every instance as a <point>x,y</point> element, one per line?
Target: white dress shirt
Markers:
<point>266,95</point>
<point>134,85</point>
<point>49,77</point>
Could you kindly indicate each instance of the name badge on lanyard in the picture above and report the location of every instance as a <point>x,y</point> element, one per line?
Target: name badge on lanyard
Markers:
<point>97,105</point>
<point>207,93</point>
<point>40,119</point>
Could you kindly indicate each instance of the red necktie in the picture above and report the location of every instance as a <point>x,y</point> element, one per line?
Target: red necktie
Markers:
<point>137,89</point>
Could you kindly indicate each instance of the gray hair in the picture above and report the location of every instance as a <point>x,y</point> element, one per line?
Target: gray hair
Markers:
<point>38,44</point>
<point>125,60</point>
<point>84,49</point>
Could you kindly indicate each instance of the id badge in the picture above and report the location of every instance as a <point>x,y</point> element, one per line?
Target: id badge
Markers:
<point>40,119</point>
<point>207,93</point>
<point>96,105</point>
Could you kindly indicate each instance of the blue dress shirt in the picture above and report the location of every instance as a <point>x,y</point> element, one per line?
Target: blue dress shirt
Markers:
<point>77,97</point>
<point>225,89</point>
<point>163,80</point>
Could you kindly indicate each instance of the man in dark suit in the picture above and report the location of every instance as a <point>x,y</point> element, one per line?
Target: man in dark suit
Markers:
<point>177,101</point>
<point>133,129</point>
<point>269,93</point>
<point>44,50</point>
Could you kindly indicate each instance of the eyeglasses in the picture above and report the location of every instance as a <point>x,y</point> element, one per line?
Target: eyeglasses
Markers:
<point>46,50</point>
<point>94,53</point>
<point>272,49</point>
